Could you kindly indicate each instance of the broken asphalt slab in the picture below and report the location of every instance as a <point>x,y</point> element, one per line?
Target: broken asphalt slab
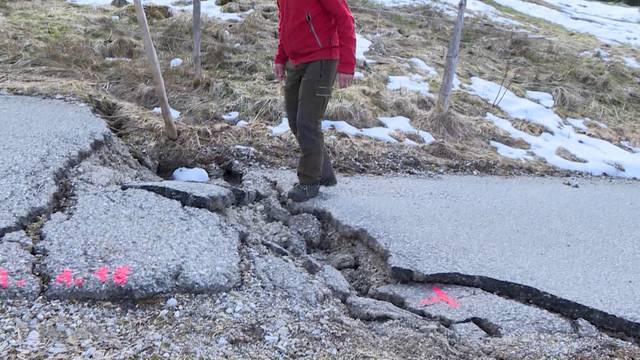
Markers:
<point>136,244</point>
<point>40,139</point>
<point>575,251</point>
<point>458,304</point>
<point>201,195</point>
<point>16,262</point>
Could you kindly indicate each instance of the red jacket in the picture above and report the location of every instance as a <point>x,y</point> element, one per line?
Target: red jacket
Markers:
<point>311,30</point>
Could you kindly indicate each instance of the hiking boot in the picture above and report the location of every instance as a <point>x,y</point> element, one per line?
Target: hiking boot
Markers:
<point>303,192</point>
<point>329,180</point>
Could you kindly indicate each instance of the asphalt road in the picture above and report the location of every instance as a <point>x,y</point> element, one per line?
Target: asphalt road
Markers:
<point>39,138</point>
<point>579,244</point>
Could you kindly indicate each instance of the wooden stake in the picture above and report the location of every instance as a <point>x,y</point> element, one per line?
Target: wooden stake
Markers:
<point>150,51</point>
<point>197,34</point>
<point>442,104</point>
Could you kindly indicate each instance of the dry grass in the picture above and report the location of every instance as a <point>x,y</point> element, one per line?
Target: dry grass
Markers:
<point>55,48</point>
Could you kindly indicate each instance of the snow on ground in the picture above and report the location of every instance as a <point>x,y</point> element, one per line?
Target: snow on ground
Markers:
<point>412,83</point>
<point>543,98</point>
<point>609,23</point>
<point>392,125</point>
<point>631,147</point>
<point>242,124</point>
<point>422,66</point>
<point>598,9</point>
<point>362,46</point>
<point>175,114</point>
<point>514,105</point>
<point>596,156</point>
<point>112,59</point>
<point>190,174</point>
<point>175,62</point>
<point>475,8</point>
<point>403,124</point>
<point>578,123</point>
<point>631,62</point>
<point>208,7</point>
<point>231,116</point>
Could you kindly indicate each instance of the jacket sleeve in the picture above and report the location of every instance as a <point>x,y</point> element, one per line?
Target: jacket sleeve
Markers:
<point>346,33</point>
<point>281,55</point>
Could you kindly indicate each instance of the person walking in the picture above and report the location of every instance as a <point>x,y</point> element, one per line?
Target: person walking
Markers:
<point>316,44</point>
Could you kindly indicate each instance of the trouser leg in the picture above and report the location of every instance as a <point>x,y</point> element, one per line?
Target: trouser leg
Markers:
<point>314,91</point>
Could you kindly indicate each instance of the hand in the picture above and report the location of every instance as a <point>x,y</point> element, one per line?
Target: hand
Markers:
<point>279,72</point>
<point>344,80</point>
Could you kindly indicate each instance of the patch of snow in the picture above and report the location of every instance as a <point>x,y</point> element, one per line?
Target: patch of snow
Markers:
<point>281,128</point>
<point>599,156</point>
<point>543,98</point>
<point>341,126</point>
<point>392,125</point>
<point>628,145</point>
<point>475,8</point>
<point>631,62</point>
<point>380,133</point>
<point>577,123</point>
<point>208,8</point>
<point>456,82</point>
<point>514,105</point>
<point>175,114</point>
<point>362,46</point>
<point>610,23</point>
<point>242,124</point>
<point>115,18</point>
<point>175,62</point>
<point>421,65</point>
<point>511,152</point>
<point>230,116</point>
<point>190,174</point>
<point>599,124</point>
<point>411,83</point>
<point>92,2</point>
<point>112,59</point>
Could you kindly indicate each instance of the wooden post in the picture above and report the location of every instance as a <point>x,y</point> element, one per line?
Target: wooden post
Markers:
<point>442,104</point>
<point>150,50</point>
<point>197,34</point>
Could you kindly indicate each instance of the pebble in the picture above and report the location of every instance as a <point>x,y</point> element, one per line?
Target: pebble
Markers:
<point>172,303</point>
<point>271,339</point>
<point>33,338</point>
<point>57,349</point>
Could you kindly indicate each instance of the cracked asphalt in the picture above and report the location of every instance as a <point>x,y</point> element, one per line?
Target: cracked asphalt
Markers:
<point>576,243</point>
<point>39,139</point>
<point>184,270</point>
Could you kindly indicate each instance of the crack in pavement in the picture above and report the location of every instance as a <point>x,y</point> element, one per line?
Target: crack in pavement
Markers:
<point>526,295</point>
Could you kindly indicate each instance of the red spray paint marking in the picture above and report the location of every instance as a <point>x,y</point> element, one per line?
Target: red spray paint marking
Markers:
<point>79,281</point>
<point>20,283</point>
<point>65,277</point>
<point>4,278</point>
<point>440,296</point>
<point>102,274</point>
<point>120,275</point>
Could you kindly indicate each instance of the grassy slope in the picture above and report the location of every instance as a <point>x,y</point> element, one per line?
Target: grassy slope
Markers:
<point>53,47</point>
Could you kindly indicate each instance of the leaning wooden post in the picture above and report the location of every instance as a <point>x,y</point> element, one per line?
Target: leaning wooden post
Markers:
<point>150,50</point>
<point>442,104</point>
<point>197,34</point>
